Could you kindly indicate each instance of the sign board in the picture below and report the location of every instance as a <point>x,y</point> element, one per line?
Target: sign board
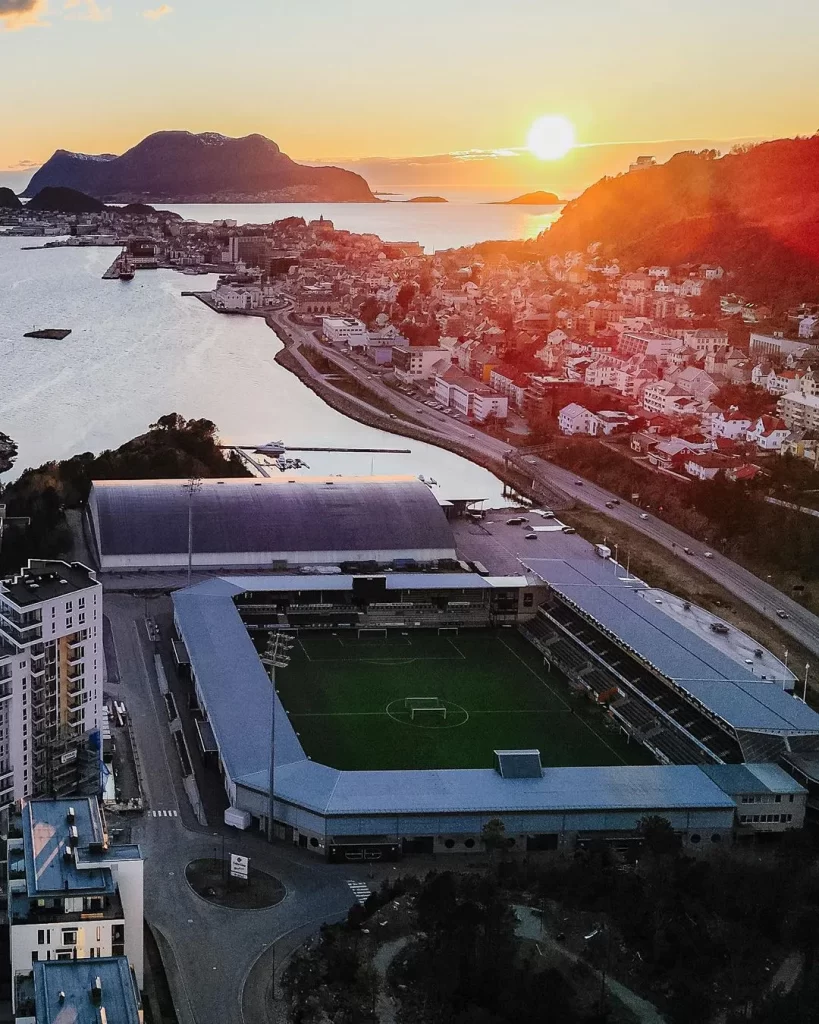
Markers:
<point>68,757</point>
<point>238,866</point>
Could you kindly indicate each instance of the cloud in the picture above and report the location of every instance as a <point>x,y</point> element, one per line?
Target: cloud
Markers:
<point>86,10</point>
<point>25,165</point>
<point>155,13</point>
<point>18,14</point>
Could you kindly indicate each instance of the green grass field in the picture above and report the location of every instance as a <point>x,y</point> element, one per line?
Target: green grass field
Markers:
<point>347,697</point>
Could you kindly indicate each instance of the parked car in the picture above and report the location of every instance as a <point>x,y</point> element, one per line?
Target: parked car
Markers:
<point>531,536</point>
<point>569,529</point>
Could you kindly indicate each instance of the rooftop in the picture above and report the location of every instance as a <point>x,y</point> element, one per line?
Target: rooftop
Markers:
<point>45,581</point>
<point>64,990</point>
<point>725,688</point>
<point>66,848</point>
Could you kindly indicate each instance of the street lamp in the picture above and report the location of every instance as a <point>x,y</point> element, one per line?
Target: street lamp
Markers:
<point>276,655</point>
<point>193,486</point>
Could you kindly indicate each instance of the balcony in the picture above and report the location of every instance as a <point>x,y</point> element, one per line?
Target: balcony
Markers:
<point>76,639</point>
<point>21,636</point>
<point>23,620</point>
<point>76,655</point>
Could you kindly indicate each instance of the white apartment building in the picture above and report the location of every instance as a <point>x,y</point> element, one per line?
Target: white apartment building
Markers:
<point>799,411</point>
<point>457,390</point>
<point>668,399</point>
<point>345,330</point>
<point>51,677</point>
<point>777,346</point>
<point>71,894</point>
<point>574,419</point>
<point>419,362</point>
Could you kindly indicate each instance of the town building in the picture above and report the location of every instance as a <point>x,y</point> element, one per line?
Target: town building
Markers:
<point>51,676</point>
<point>345,330</point>
<point>799,411</point>
<point>777,346</point>
<point>457,390</point>
<point>419,362</point>
<point>71,893</point>
<point>768,433</point>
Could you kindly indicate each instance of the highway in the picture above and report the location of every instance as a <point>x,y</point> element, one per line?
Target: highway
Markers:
<point>763,598</point>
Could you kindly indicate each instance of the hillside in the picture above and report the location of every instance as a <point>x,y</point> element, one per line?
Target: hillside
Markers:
<point>755,211</point>
<point>64,200</point>
<point>8,200</point>
<point>533,199</point>
<point>182,167</point>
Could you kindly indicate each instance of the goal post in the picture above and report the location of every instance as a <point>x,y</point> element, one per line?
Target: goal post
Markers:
<point>424,706</point>
<point>371,631</point>
<point>451,630</point>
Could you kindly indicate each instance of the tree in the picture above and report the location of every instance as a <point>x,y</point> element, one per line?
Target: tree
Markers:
<point>659,837</point>
<point>406,293</point>
<point>494,835</point>
<point>369,309</point>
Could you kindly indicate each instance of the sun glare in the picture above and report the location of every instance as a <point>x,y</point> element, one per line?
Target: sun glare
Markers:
<point>550,137</point>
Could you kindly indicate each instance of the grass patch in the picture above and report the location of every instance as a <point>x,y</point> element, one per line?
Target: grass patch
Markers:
<point>347,700</point>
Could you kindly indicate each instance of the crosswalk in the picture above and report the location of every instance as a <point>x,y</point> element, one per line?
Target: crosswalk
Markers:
<point>360,890</point>
<point>164,814</point>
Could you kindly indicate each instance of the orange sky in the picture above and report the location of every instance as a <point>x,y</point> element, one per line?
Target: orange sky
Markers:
<point>331,81</point>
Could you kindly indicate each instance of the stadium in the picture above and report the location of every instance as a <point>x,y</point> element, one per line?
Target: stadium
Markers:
<point>424,696</point>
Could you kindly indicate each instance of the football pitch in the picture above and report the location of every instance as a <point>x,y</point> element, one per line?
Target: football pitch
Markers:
<point>424,700</point>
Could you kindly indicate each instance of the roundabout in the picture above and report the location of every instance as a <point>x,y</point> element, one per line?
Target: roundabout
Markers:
<point>210,879</point>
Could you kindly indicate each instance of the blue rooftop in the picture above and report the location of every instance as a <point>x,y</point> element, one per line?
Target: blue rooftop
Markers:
<point>63,991</point>
<point>724,687</point>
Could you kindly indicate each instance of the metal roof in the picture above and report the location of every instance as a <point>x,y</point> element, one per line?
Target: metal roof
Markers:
<point>246,515</point>
<point>46,840</point>
<point>394,581</point>
<point>62,991</point>
<point>752,778</point>
<point>624,607</point>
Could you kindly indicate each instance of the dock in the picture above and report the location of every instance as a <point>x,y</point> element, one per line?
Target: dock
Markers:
<point>305,448</point>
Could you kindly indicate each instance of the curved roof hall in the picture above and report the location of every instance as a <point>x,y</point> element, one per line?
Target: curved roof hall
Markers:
<point>135,518</point>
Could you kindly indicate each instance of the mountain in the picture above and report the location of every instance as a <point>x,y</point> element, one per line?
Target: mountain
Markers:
<point>8,200</point>
<point>64,200</point>
<point>534,199</point>
<point>754,211</point>
<point>185,168</point>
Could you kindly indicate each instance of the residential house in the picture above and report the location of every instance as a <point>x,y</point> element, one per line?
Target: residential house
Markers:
<point>419,362</point>
<point>802,448</point>
<point>575,419</point>
<point>799,411</point>
<point>695,382</point>
<point>668,398</point>
<point>731,424</point>
<point>671,452</point>
<point>742,473</point>
<point>507,380</point>
<point>457,390</point>
<point>768,433</point>
<point>645,343</point>
<point>706,466</point>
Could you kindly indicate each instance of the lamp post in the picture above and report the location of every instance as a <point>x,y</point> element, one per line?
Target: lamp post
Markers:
<point>193,486</point>
<point>276,655</point>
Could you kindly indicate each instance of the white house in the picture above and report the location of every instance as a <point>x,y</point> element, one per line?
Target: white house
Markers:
<point>71,894</point>
<point>732,424</point>
<point>575,419</point>
<point>51,668</point>
<point>769,433</point>
<point>667,398</point>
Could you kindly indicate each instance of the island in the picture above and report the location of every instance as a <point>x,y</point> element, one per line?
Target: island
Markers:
<point>8,200</point>
<point>427,199</point>
<point>533,199</point>
<point>49,334</point>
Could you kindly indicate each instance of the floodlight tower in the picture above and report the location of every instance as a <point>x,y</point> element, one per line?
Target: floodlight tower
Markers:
<point>276,655</point>
<point>193,486</point>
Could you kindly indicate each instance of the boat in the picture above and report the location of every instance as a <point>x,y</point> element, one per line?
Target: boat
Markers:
<point>126,267</point>
<point>275,448</point>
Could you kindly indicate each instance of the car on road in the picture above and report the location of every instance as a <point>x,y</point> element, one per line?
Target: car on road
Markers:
<point>530,460</point>
<point>531,536</point>
<point>782,613</point>
<point>470,435</point>
<point>517,521</point>
<point>609,504</point>
<point>688,551</point>
<point>644,515</point>
<point>615,501</point>
<point>707,554</point>
<point>578,483</point>
<point>569,529</point>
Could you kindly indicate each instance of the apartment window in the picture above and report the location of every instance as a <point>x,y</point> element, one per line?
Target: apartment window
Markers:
<point>68,606</point>
<point>42,937</point>
<point>65,954</point>
<point>35,956</point>
<point>778,799</point>
<point>53,611</point>
<point>69,622</point>
<point>81,619</point>
<point>70,937</point>
<point>790,798</point>
<point>99,934</point>
<point>81,602</point>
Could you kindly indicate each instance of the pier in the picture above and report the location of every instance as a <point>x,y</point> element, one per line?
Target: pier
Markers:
<point>241,448</point>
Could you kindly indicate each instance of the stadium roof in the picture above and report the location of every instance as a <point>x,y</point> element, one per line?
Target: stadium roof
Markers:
<point>623,607</point>
<point>247,515</point>
<point>752,778</point>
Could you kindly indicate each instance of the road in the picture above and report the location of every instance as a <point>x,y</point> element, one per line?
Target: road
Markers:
<point>208,951</point>
<point>763,598</point>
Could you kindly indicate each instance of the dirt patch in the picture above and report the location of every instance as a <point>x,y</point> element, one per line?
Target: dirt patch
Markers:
<point>211,880</point>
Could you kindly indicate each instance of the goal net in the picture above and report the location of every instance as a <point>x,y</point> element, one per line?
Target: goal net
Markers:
<point>365,632</point>
<point>443,630</point>
<point>422,706</point>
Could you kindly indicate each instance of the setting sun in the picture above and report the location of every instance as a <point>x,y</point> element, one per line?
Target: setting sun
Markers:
<point>550,137</point>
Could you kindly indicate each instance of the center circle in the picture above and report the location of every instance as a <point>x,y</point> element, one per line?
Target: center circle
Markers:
<point>210,879</point>
<point>456,715</point>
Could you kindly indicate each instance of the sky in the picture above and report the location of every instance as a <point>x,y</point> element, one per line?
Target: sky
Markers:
<point>400,86</point>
